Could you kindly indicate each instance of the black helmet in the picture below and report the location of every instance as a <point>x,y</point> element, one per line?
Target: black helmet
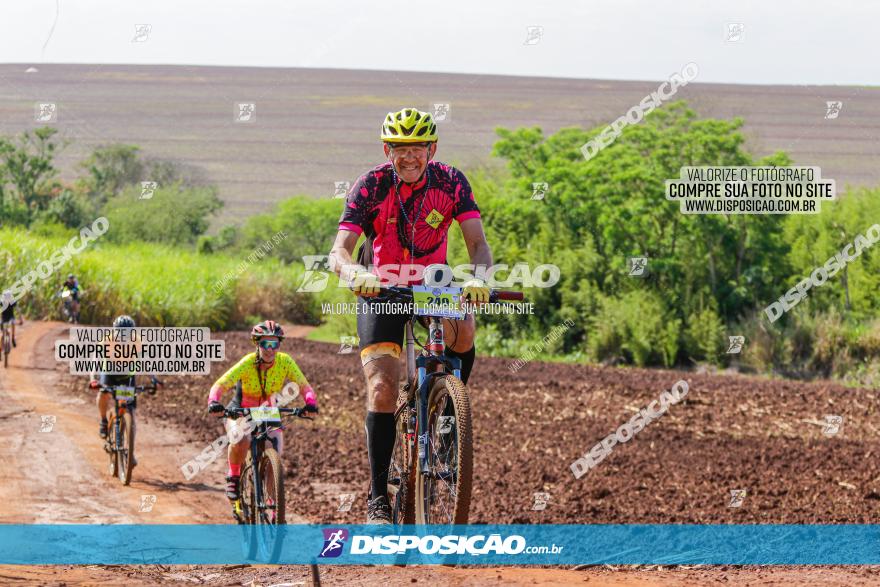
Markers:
<point>124,321</point>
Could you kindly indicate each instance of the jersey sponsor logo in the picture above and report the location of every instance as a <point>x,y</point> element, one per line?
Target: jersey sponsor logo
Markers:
<point>434,219</point>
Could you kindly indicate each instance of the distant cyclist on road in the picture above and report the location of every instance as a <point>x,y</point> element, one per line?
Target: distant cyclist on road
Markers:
<point>104,399</point>
<point>8,314</point>
<point>404,207</point>
<point>257,377</point>
<point>72,285</point>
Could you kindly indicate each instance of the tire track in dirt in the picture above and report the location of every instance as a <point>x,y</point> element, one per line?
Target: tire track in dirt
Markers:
<point>61,475</point>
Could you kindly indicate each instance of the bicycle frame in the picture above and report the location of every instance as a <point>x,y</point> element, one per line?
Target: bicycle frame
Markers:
<point>417,370</point>
<point>422,373</point>
<point>259,436</point>
<point>120,407</point>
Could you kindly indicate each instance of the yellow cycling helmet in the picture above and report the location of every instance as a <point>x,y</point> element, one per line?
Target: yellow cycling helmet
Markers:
<point>409,126</point>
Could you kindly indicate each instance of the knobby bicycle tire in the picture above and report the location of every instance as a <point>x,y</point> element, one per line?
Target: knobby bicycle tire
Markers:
<point>111,443</point>
<point>451,387</point>
<point>401,474</point>
<point>125,458</point>
<point>271,474</point>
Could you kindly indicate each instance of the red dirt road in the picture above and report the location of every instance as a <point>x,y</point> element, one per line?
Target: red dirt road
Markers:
<point>60,475</point>
<point>731,432</point>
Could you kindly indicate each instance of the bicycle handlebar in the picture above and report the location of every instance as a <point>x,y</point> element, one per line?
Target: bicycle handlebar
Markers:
<point>234,413</point>
<point>137,388</point>
<point>495,295</point>
<point>151,389</point>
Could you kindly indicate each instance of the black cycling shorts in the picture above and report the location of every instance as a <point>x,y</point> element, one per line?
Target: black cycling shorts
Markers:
<point>381,322</point>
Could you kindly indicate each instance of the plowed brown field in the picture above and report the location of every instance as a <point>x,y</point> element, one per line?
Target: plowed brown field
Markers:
<point>730,432</point>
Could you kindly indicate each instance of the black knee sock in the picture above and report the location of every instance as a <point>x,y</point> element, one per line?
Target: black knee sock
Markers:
<point>380,445</point>
<point>467,361</point>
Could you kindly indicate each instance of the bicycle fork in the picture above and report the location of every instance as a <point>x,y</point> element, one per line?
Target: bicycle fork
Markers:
<point>258,504</point>
<point>417,369</point>
<point>258,484</point>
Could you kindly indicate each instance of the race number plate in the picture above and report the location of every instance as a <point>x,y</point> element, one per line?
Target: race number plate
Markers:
<point>265,414</point>
<point>444,302</point>
<point>124,392</point>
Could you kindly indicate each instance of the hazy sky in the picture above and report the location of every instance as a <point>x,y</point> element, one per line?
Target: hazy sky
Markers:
<point>782,42</point>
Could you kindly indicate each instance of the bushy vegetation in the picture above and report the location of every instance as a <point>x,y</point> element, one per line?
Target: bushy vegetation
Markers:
<point>178,212</point>
<point>157,284</point>
<point>174,214</point>
<point>708,276</point>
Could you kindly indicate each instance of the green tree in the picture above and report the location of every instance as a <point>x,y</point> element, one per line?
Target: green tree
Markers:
<point>110,169</point>
<point>68,208</point>
<point>815,238</point>
<point>175,214</point>
<point>613,207</point>
<point>27,164</point>
<point>310,225</point>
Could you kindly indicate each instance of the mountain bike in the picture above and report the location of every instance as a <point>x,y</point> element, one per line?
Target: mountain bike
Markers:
<point>5,342</point>
<point>67,306</point>
<point>261,491</point>
<point>120,442</point>
<point>429,480</point>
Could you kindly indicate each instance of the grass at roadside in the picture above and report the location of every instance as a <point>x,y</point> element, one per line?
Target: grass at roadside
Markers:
<point>324,333</point>
<point>158,285</point>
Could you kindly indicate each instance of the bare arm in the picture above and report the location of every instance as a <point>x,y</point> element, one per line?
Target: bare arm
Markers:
<point>478,248</point>
<point>340,255</point>
<point>216,393</point>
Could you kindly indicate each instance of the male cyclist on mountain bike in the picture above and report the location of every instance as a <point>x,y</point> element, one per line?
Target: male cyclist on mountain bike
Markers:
<point>8,315</point>
<point>404,207</point>
<point>72,285</point>
<point>104,400</point>
<point>257,377</point>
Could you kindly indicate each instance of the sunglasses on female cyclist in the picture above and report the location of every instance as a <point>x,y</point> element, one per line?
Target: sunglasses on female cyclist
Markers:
<point>270,344</point>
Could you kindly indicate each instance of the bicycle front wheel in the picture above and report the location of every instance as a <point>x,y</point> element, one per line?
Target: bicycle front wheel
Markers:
<point>270,508</point>
<point>272,480</point>
<point>126,448</point>
<point>110,443</point>
<point>443,495</point>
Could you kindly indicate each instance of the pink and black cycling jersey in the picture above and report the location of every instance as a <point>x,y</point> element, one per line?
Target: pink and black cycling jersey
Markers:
<point>385,214</point>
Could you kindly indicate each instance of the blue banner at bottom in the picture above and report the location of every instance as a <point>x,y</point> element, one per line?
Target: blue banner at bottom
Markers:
<point>624,544</point>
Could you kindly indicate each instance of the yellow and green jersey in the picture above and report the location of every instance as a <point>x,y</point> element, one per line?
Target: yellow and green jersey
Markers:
<point>257,386</point>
